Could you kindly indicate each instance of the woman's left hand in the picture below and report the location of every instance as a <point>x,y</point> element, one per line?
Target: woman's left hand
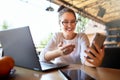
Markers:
<point>95,56</point>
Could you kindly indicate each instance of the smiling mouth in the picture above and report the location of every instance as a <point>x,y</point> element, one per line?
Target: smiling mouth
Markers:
<point>69,29</point>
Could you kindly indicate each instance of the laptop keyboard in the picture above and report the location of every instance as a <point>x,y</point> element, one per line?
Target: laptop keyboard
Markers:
<point>48,65</point>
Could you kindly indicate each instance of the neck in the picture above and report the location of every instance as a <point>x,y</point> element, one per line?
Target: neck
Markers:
<point>69,36</point>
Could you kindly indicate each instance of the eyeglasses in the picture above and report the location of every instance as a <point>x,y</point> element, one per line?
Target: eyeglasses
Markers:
<point>65,23</point>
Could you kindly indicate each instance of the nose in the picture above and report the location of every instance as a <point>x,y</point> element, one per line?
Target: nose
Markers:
<point>70,24</point>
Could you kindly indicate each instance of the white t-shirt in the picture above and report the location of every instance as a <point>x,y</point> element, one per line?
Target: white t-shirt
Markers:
<point>77,56</point>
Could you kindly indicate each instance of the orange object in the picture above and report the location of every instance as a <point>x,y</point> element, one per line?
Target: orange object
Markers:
<point>6,64</point>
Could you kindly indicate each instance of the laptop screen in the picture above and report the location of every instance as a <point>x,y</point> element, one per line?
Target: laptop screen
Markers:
<point>18,44</point>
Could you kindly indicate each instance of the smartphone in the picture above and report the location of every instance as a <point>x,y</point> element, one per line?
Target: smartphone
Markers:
<point>99,39</point>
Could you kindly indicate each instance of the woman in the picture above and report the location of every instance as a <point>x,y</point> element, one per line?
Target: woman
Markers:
<point>68,46</point>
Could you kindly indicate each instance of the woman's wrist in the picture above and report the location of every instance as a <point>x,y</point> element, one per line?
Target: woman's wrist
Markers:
<point>62,52</point>
<point>54,54</point>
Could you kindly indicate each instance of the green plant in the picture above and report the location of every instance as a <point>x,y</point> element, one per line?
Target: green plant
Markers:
<point>82,21</point>
<point>45,41</point>
<point>4,26</point>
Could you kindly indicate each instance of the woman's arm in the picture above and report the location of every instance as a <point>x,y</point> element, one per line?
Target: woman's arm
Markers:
<point>55,49</point>
<point>50,55</point>
<point>51,45</point>
<point>60,51</point>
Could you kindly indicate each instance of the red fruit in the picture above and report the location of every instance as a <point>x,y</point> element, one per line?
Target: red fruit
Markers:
<point>6,64</point>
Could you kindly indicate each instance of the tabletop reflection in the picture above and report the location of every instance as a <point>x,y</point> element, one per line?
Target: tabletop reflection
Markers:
<point>76,75</point>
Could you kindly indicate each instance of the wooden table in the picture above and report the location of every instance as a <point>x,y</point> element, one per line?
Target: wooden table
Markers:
<point>97,73</point>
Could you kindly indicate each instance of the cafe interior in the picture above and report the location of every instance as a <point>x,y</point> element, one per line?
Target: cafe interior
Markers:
<point>107,14</point>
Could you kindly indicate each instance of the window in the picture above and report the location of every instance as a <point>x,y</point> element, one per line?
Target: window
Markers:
<point>32,13</point>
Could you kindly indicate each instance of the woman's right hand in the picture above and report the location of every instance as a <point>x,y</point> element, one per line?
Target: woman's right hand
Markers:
<point>66,49</point>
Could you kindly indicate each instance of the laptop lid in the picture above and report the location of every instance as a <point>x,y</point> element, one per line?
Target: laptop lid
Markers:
<point>18,44</point>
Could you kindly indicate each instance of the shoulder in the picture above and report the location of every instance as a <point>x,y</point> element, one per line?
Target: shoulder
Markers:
<point>57,34</point>
<point>81,34</point>
<point>83,38</point>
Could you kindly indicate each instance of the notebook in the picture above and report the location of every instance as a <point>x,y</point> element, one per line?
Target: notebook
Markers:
<point>18,44</point>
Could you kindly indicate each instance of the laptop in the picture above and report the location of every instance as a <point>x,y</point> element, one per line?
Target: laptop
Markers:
<point>18,44</point>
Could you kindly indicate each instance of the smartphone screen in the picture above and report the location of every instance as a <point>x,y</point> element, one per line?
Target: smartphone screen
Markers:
<point>76,75</point>
<point>99,39</point>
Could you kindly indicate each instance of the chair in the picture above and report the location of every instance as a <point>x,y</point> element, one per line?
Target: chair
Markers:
<point>112,58</point>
